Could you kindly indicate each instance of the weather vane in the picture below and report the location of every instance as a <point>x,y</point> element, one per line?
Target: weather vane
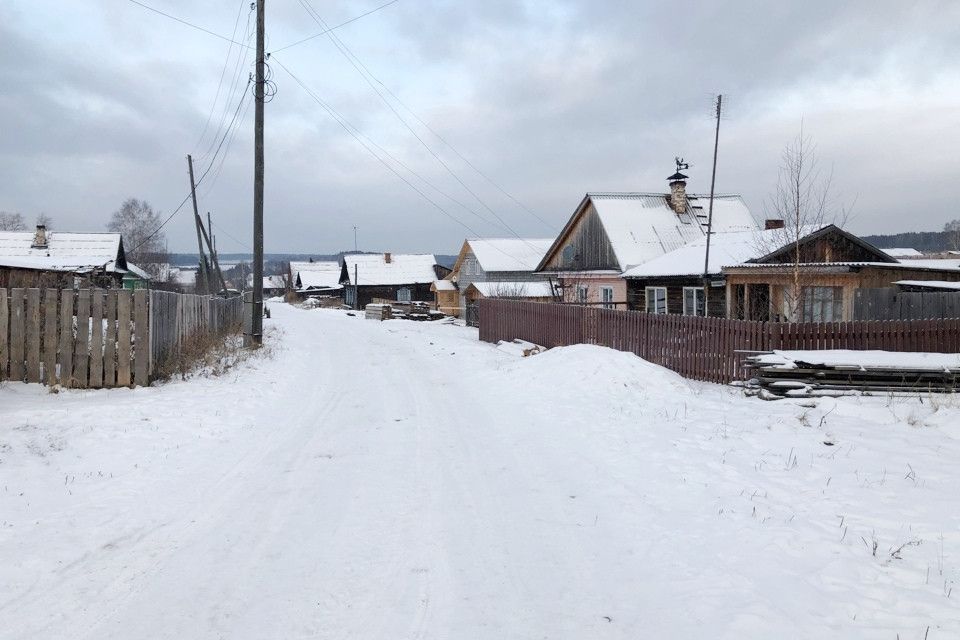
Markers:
<point>681,165</point>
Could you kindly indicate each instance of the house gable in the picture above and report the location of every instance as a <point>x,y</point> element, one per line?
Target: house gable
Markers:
<point>829,244</point>
<point>583,244</point>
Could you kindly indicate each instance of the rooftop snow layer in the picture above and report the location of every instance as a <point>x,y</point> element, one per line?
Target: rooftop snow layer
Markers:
<point>316,275</point>
<point>847,359</point>
<point>373,269</point>
<point>929,284</point>
<point>726,249</point>
<point>65,251</point>
<point>902,252</point>
<point>643,226</point>
<point>513,289</point>
<point>510,254</point>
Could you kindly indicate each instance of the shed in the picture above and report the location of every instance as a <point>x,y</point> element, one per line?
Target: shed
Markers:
<point>61,259</point>
<point>370,277</point>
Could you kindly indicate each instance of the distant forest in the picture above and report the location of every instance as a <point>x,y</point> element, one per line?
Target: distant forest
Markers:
<point>924,241</point>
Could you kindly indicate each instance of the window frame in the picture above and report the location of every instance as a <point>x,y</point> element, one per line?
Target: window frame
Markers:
<point>582,293</point>
<point>404,291</point>
<point>699,306</point>
<point>815,303</point>
<point>606,289</point>
<point>655,300</point>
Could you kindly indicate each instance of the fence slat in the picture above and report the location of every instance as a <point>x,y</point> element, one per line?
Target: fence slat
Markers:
<point>124,301</point>
<point>66,338</point>
<point>4,334</point>
<point>141,328</point>
<point>110,345</point>
<point>50,299</point>
<point>81,355</point>
<point>33,335</point>
<point>96,339</point>
<point>17,334</point>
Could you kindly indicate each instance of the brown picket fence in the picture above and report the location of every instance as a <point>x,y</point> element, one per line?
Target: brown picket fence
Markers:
<point>93,338</point>
<point>709,349</point>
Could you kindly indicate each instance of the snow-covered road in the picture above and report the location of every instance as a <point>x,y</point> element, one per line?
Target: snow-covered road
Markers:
<point>402,480</point>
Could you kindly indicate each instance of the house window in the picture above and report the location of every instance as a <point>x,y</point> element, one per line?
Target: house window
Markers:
<point>656,300</point>
<point>403,295</point>
<point>606,297</point>
<point>694,301</point>
<point>581,293</point>
<point>350,296</point>
<point>822,304</point>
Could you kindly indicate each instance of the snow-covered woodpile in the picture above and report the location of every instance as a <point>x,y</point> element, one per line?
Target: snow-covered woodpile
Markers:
<point>779,374</point>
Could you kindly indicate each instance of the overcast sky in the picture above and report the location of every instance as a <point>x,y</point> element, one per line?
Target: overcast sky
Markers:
<point>102,100</point>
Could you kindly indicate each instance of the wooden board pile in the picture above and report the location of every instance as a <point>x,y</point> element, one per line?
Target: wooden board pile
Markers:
<point>377,312</point>
<point>782,374</point>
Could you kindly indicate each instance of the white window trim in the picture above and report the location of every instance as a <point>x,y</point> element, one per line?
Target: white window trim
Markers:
<point>607,304</point>
<point>646,305</point>
<point>685,309</point>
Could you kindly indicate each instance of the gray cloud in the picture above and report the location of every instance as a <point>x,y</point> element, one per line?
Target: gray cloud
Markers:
<point>550,99</point>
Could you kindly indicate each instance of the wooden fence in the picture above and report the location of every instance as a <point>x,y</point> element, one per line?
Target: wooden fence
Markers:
<point>93,338</point>
<point>710,349</point>
<point>889,304</point>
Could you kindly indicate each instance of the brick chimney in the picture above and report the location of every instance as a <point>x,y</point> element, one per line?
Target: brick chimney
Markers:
<point>40,237</point>
<point>387,257</point>
<point>773,223</point>
<point>678,192</point>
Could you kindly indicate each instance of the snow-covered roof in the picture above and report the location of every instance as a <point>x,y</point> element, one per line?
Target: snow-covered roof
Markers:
<point>726,250</point>
<point>318,280</point>
<point>512,289</point>
<point>509,254</point>
<point>901,252</point>
<point>316,275</point>
<point>64,252</point>
<point>184,277</point>
<point>443,285</point>
<point>933,263</point>
<point>137,271</point>
<point>373,268</point>
<point>274,282</point>
<point>643,226</point>
<point>930,284</point>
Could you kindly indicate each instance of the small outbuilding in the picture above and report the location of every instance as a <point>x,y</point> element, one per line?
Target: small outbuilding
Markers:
<point>389,277</point>
<point>62,260</point>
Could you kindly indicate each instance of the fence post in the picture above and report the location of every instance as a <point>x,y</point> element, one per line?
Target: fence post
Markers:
<point>16,334</point>
<point>4,333</point>
<point>33,335</point>
<point>141,338</point>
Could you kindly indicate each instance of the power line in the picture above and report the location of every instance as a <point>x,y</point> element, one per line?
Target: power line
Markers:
<point>355,133</point>
<point>317,35</point>
<point>189,24</point>
<point>223,72</point>
<point>199,181</point>
<point>343,49</point>
<point>390,167</point>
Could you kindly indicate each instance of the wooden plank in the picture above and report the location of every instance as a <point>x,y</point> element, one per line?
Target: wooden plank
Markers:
<point>96,339</point>
<point>81,354</point>
<point>50,300</point>
<point>4,334</point>
<point>141,327</point>
<point>124,302</point>
<point>33,325</point>
<point>110,341</point>
<point>66,338</point>
<point>17,334</point>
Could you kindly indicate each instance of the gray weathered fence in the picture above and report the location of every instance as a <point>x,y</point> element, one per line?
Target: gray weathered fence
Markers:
<point>94,338</point>
<point>890,304</point>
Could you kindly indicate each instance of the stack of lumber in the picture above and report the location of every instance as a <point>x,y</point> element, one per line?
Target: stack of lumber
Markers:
<point>377,312</point>
<point>779,374</point>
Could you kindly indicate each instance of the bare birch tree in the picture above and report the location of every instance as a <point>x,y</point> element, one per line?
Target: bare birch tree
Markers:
<point>12,221</point>
<point>803,201</point>
<point>138,225</point>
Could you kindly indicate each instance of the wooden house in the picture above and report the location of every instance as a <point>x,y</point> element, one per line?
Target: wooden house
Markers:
<point>833,264</point>
<point>685,282</point>
<point>446,297</point>
<point>62,260</point>
<point>369,277</point>
<point>495,260</point>
<point>316,279</point>
<point>609,233</point>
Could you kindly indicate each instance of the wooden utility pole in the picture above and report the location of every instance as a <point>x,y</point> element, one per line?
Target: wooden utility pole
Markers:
<point>356,288</point>
<point>203,275</point>
<point>213,254</point>
<point>255,338</point>
<point>713,182</point>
